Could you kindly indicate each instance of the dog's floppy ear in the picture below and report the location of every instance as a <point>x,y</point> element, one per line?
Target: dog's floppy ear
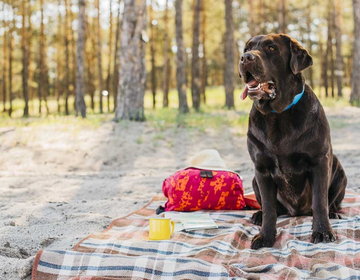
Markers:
<point>300,58</point>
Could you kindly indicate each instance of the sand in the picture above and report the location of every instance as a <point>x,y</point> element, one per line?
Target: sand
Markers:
<point>60,183</point>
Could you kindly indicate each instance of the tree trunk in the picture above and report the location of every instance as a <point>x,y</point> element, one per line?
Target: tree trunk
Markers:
<point>29,45</point>
<point>195,66</point>
<point>11,58</point>
<point>152,53</point>
<point>204,62</point>
<point>108,79</point>
<point>252,26</point>
<point>166,72</point>
<point>90,60</point>
<point>25,58</point>
<point>5,61</point>
<point>73,57</point>
<point>43,84</point>
<point>310,44</point>
<point>132,84</point>
<point>355,79</point>
<point>282,16</point>
<point>348,70</point>
<point>91,75</point>
<point>90,57</point>
<point>32,92</point>
<point>339,59</point>
<point>229,56</point>
<point>327,55</point>
<point>59,85</point>
<point>180,59</point>
<point>331,53</point>
<point>329,48</point>
<point>67,58</point>
<point>116,56</point>
<point>99,58</point>
<point>322,65</point>
<point>80,61</point>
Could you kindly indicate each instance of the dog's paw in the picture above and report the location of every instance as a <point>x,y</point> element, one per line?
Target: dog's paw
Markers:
<point>259,242</point>
<point>333,215</point>
<point>257,218</point>
<point>323,236</point>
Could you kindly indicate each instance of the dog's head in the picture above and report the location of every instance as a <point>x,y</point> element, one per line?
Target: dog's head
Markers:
<point>270,67</point>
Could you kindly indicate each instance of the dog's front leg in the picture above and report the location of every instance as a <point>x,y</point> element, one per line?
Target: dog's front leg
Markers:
<point>268,191</point>
<point>320,180</point>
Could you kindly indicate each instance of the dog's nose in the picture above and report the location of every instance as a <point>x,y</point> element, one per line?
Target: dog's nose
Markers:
<point>247,58</point>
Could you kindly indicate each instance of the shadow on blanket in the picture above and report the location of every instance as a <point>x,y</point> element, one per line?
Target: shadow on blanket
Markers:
<point>124,251</point>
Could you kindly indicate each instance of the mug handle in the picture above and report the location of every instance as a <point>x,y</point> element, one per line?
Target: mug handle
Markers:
<point>173,227</point>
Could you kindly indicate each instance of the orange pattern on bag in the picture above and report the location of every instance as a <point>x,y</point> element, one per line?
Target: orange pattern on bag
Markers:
<point>185,200</point>
<point>181,183</point>
<point>221,202</point>
<point>218,184</point>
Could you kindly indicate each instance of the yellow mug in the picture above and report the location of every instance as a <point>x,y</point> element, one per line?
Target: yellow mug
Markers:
<point>159,228</point>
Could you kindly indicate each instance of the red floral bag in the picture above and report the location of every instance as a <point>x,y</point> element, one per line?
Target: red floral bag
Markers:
<point>194,189</point>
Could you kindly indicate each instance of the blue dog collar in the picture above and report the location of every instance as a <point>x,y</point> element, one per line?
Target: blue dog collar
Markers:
<point>295,100</point>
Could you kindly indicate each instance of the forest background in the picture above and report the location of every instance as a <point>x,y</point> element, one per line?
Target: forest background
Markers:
<point>52,49</point>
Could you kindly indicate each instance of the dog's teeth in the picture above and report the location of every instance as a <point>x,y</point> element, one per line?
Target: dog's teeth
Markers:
<point>254,88</point>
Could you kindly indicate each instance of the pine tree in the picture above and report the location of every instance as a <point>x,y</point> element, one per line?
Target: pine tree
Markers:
<point>195,65</point>
<point>99,56</point>
<point>130,103</point>
<point>166,72</point>
<point>229,56</point>
<point>180,59</point>
<point>355,79</point>
<point>80,61</point>
<point>25,58</point>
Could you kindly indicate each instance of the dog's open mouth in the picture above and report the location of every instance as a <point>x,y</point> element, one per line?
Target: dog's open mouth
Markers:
<point>258,90</point>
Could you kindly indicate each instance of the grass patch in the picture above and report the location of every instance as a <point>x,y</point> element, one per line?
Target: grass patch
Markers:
<point>212,115</point>
<point>92,121</point>
<point>333,102</point>
<point>165,118</point>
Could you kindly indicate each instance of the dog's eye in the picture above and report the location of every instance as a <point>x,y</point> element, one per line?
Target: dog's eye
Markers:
<point>271,48</point>
<point>245,50</point>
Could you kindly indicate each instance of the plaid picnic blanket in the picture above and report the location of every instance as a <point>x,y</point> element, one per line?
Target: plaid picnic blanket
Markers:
<point>123,251</point>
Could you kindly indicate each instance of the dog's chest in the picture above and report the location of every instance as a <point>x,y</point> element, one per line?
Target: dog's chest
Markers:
<point>296,204</point>
<point>294,191</point>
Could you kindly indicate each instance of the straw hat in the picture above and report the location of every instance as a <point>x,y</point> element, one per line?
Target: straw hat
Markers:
<point>208,160</point>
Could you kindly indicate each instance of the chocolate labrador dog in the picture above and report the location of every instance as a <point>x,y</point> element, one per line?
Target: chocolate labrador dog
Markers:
<point>296,172</point>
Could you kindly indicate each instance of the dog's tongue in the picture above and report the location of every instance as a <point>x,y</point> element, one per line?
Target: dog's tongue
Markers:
<point>252,83</point>
<point>244,94</point>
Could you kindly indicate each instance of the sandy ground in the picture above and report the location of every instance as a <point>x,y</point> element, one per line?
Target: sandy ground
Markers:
<point>59,184</point>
